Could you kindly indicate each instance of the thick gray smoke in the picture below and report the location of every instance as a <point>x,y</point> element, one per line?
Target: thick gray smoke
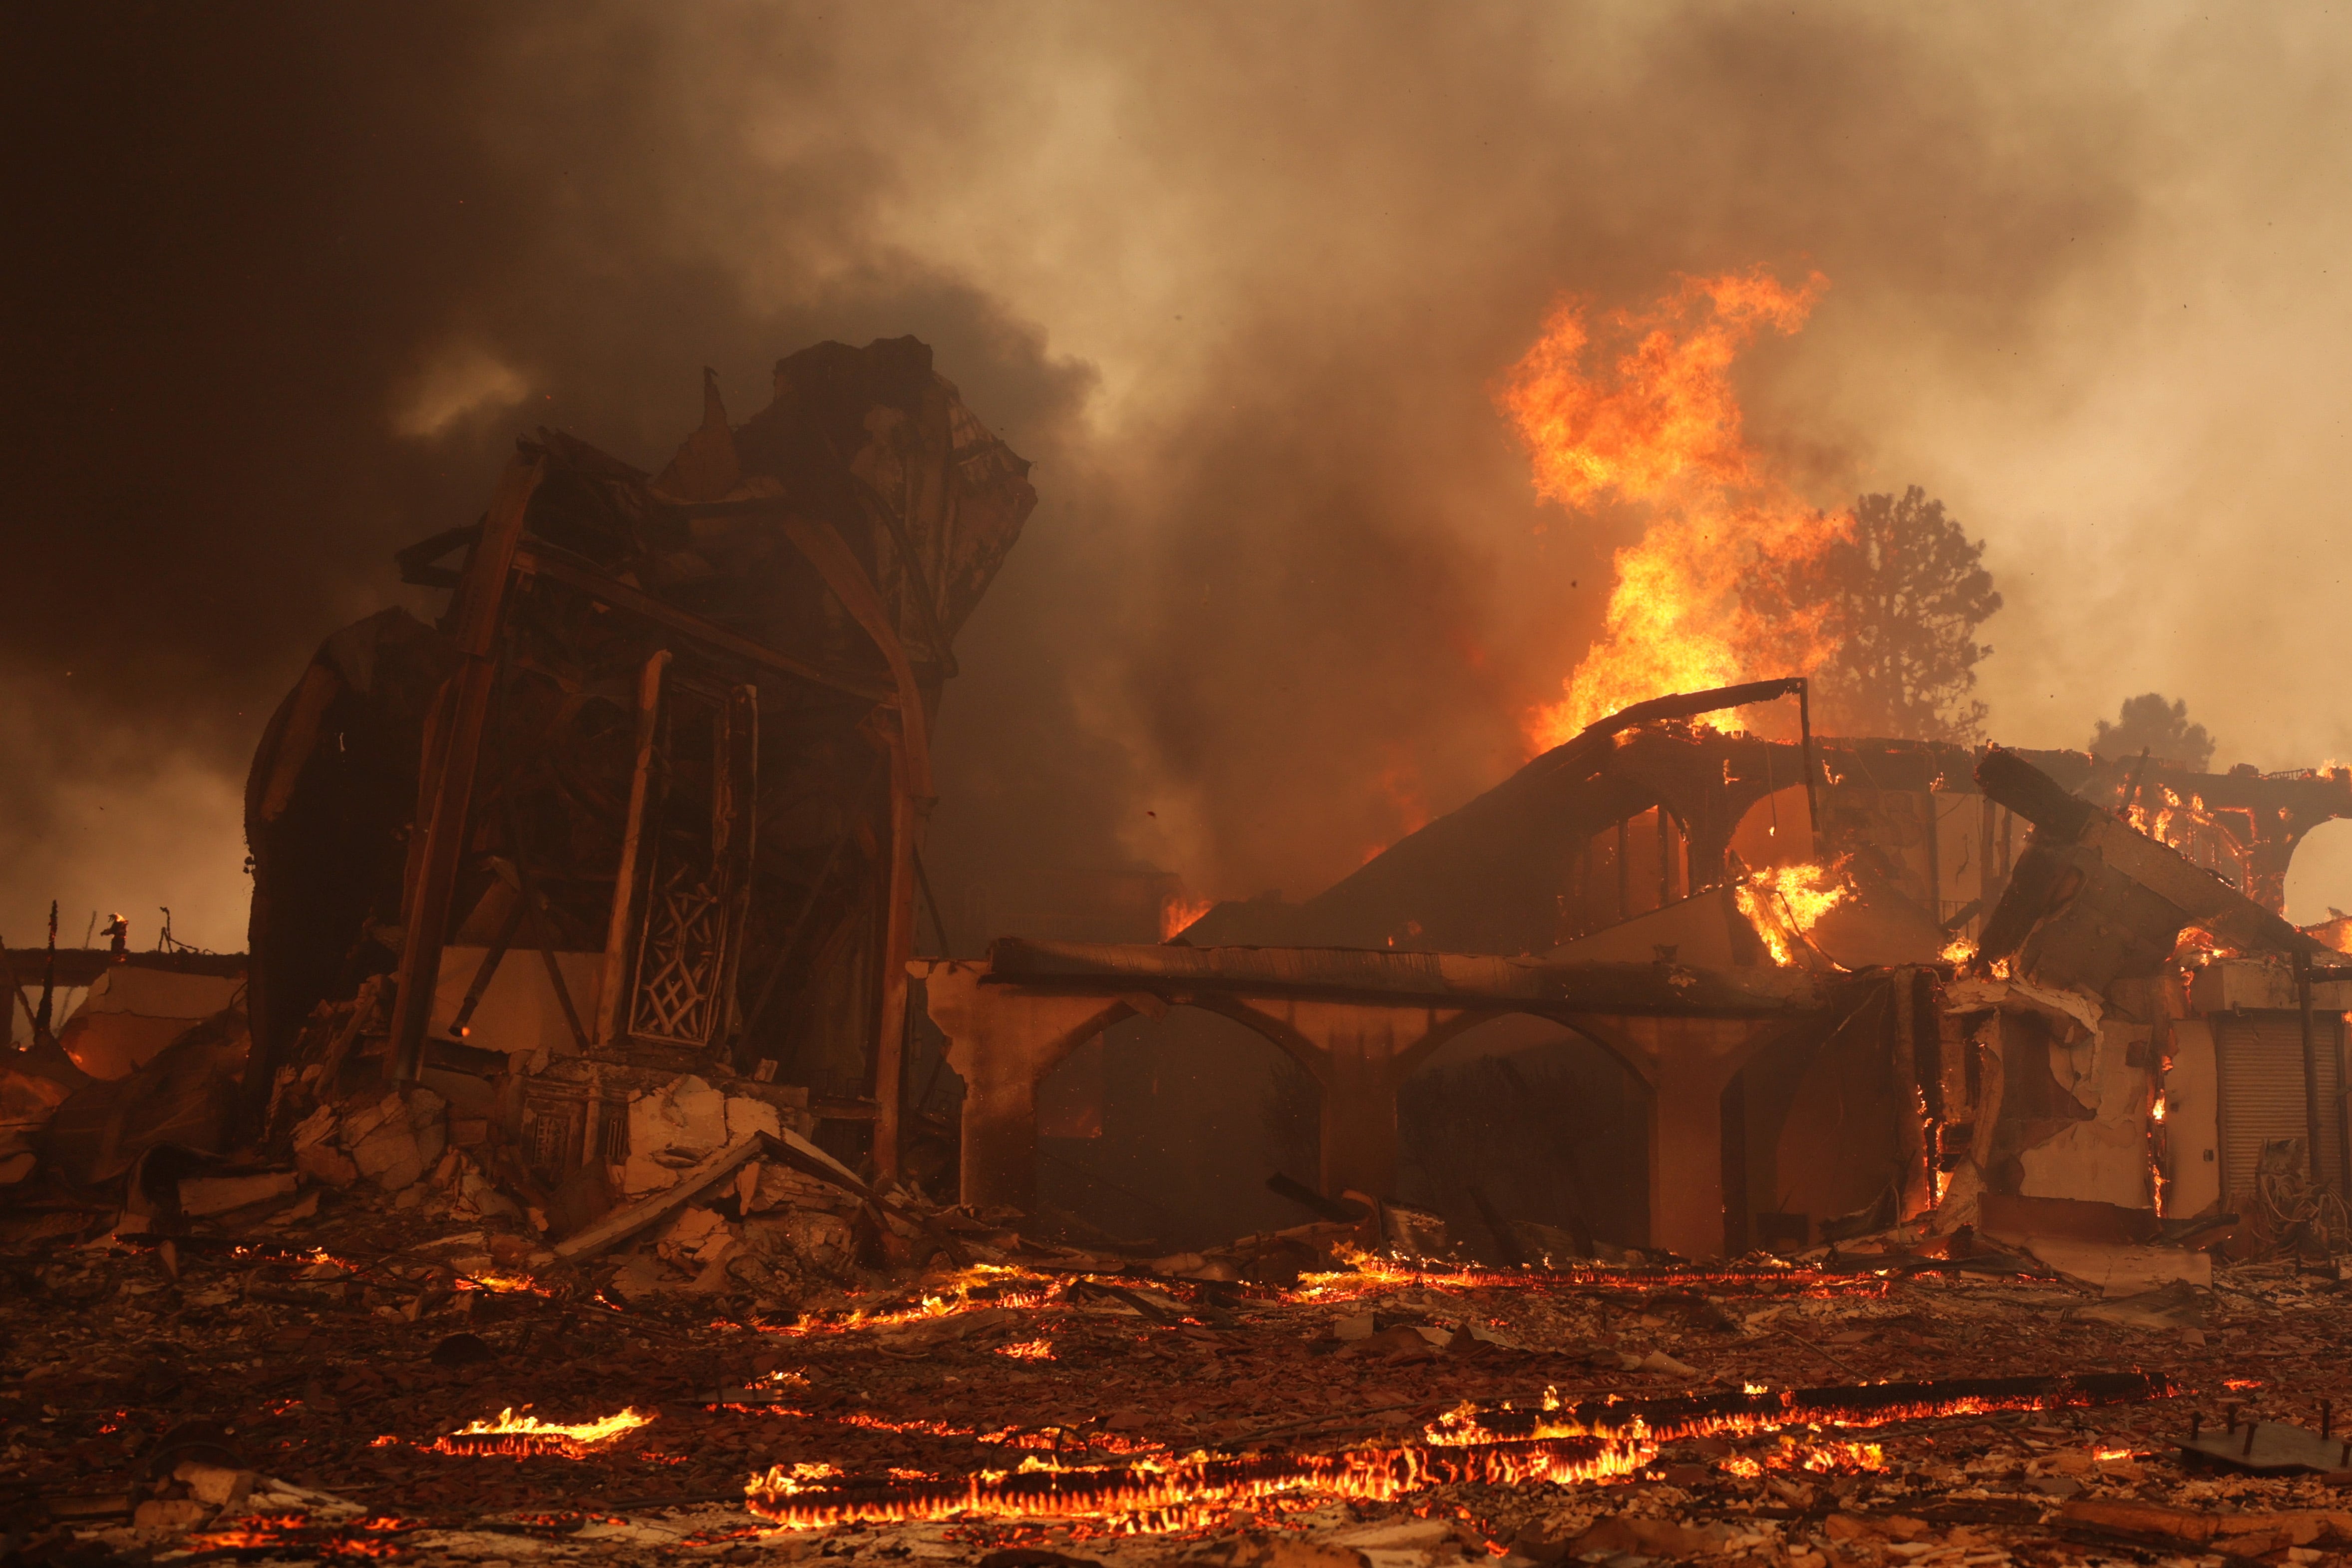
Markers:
<point>1240,280</point>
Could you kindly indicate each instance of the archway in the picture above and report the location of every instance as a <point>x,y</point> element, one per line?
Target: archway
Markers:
<point>1811,1132</point>
<point>1776,831</point>
<point>1549,1127</point>
<point>2319,877</point>
<point>1160,1133</point>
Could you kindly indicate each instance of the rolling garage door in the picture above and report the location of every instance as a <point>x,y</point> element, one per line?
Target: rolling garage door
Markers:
<point>2260,1055</point>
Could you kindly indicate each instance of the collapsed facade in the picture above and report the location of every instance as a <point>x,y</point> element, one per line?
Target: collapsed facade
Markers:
<point>1646,882</point>
<point>650,801</point>
<point>585,971</point>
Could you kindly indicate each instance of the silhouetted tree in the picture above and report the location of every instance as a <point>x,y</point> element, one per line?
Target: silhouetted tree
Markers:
<point>1899,601</point>
<point>2148,723</point>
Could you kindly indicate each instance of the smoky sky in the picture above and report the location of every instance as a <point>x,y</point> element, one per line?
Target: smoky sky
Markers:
<point>1240,280</point>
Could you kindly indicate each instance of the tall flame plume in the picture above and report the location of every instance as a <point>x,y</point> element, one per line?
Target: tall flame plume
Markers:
<point>1659,426</point>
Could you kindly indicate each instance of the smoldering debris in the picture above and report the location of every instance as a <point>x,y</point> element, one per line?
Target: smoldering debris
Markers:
<point>551,1171</point>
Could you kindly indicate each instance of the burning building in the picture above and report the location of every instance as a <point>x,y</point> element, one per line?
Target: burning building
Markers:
<point>585,921</point>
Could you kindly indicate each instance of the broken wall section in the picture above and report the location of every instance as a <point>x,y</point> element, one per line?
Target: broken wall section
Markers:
<point>2059,1034</point>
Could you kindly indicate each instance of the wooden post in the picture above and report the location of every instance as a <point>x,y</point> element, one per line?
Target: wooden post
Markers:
<point>897,948</point>
<point>1624,868</point>
<point>2320,1175</point>
<point>1813,762</point>
<point>611,999</point>
<point>448,797</point>
<point>911,799</point>
<point>1666,858</point>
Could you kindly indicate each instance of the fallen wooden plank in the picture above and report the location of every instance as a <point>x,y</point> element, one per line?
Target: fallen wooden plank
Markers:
<point>788,1148</point>
<point>623,1223</point>
<point>797,1152</point>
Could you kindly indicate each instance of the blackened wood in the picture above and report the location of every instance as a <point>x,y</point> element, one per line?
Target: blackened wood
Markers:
<point>476,618</point>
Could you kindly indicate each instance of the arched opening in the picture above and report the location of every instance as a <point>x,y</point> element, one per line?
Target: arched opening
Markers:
<point>2319,880</point>
<point>1637,864</point>
<point>1159,1133</point>
<point>1776,831</point>
<point>1811,1133</point>
<point>1549,1128</point>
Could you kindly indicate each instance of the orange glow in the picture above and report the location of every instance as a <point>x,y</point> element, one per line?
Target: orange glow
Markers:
<point>528,1437</point>
<point>981,1285</point>
<point>1370,1274</point>
<point>293,1535</point>
<point>502,1284</point>
<point>1660,427</point>
<point>1600,1439</point>
<point>1028,1350</point>
<point>1784,905</point>
<point>1155,1496</point>
<point>1177,912</point>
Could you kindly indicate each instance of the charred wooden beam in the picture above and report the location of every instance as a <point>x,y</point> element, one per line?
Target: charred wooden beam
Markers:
<point>540,560</point>
<point>1664,990</point>
<point>447,798</point>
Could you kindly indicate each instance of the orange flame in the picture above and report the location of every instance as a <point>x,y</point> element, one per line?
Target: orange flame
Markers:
<point>1177,912</point>
<point>981,1286</point>
<point>1028,1350</point>
<point>1178,1494</point>
<point>1597,1440</point>
<point>527,1436</point>
<point>1785,902</point>
<point>1660,428</point>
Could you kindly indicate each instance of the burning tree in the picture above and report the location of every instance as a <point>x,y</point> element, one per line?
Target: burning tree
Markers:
<point>1898,596</point>
<point>2148,723</point>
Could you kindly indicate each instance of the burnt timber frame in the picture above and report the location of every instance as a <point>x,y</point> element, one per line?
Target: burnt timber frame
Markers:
<point>502,552</point>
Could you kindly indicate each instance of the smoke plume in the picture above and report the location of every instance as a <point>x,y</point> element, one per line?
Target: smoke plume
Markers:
<point>1241,281</point>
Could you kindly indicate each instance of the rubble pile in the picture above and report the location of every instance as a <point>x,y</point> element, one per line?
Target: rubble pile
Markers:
<point>347,1369</point>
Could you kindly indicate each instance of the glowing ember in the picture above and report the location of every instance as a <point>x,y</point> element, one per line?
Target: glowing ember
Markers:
<point>1370,1274</point>
<point>1660,427</point>
<point>981,1286</point>
<point>502,1284</point>
<point>1178,1494</point>
<point>528,1437</point>
<point>1866,1404</point>
<point>1599,1439</point>
<point>293,1536</point>
<point>1028,1350</point>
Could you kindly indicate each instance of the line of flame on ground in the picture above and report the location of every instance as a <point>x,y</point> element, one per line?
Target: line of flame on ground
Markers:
<point>527,1436</point>
<point>1182,1493</point>
<point>1368,1274</point>
<point>979,1286</point>
<point>987,1285</point>
<point>1597,1440</point>
<point>1871,1404</point>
